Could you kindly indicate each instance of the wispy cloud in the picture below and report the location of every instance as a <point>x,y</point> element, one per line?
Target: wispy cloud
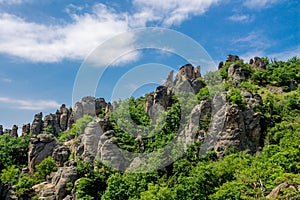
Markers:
<point>260,4</point>
<point>255,40</point>
<point>12,1</point>
<point>284,55</point>
<point>241,18</point>
<point>28,104</point>
<point>169,12</point>
<point>5,80</point>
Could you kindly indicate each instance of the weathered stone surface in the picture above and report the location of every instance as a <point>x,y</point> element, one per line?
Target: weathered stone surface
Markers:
<point>89,106</point>
<point>14,131</point>
<point>188,72</point>
<point>37,124</point>
<point>45,190</point>
<point>277,191</point>
<point>232,58</point>
<point>64,115</point>
<point>90,139</point>
<point>232,127</point>
<point>41,147</point>
<point>51,121</point>
<point>61,178</point>
<point>159,101</point>
<point>108,151</point>
<point>236,74</point>
<point>25,129</point>
<point>60,155</point>
<point>257,63</point>
<point>191,132</point>
<point>8,192</point>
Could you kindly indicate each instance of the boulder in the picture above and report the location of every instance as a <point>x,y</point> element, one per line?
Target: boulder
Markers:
<point>1,130</point>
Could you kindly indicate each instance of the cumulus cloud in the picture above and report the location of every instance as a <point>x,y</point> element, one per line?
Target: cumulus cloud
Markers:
<point>29,104</point>
<point>54,43</point>
<point>38,42</point>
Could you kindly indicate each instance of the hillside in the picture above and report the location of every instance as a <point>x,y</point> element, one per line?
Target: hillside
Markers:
<point>230,134</point>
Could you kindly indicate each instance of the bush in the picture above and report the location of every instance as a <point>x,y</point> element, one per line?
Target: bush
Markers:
<point>235,98</point>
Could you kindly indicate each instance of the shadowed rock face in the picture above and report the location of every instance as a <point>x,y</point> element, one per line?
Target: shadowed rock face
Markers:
<point>257,63</point>
<point>25,129</point>
<point>37,124</point>
<point>89,106</point>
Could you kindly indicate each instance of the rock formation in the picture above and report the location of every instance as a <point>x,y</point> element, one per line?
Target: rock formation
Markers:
<point>236,74</point>
<point>41,147</point>
<point>232,58</point>
<point>14,131</point>
<point>37,124</point>
<point>51,124</point>
<point>25,129</point>
<point>89,106</point>
<point>257,63</point>
<point>1,130</point>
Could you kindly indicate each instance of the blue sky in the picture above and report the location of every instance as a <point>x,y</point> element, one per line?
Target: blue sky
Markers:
<point>43,43</point>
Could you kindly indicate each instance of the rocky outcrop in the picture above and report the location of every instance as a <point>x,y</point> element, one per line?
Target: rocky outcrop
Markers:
<point>193,130</point>
<point>63,117</point>
<point>14,131</point>
<point>37,124</point>
<point>157,102</point>
<point>108,151</point>
<point>51,124</point>
<point>236,74</point>
<point>60,154</point>
<point>64,176</point>
<point>1,130</point>
<point>277,191</point>
<point>233,127</point>
<point>25,129</point>
<point>8,192</point>
<point>257,63</point>
<point>89,106</point>
<point>41,147</point>
<point>232,58</point>
<point>90,140</point>
<point>56,187</point>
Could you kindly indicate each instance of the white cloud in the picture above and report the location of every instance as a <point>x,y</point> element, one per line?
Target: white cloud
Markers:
<point>29,104</point>
<point>241,18</point>
<point>12,1</point>
<point>169,12</point>
<point>6,80</point>
<point>260,4</point>
<point>54,43</point>
<point>38,42</point>
<point>284,55</point>
<point>255,40</point>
